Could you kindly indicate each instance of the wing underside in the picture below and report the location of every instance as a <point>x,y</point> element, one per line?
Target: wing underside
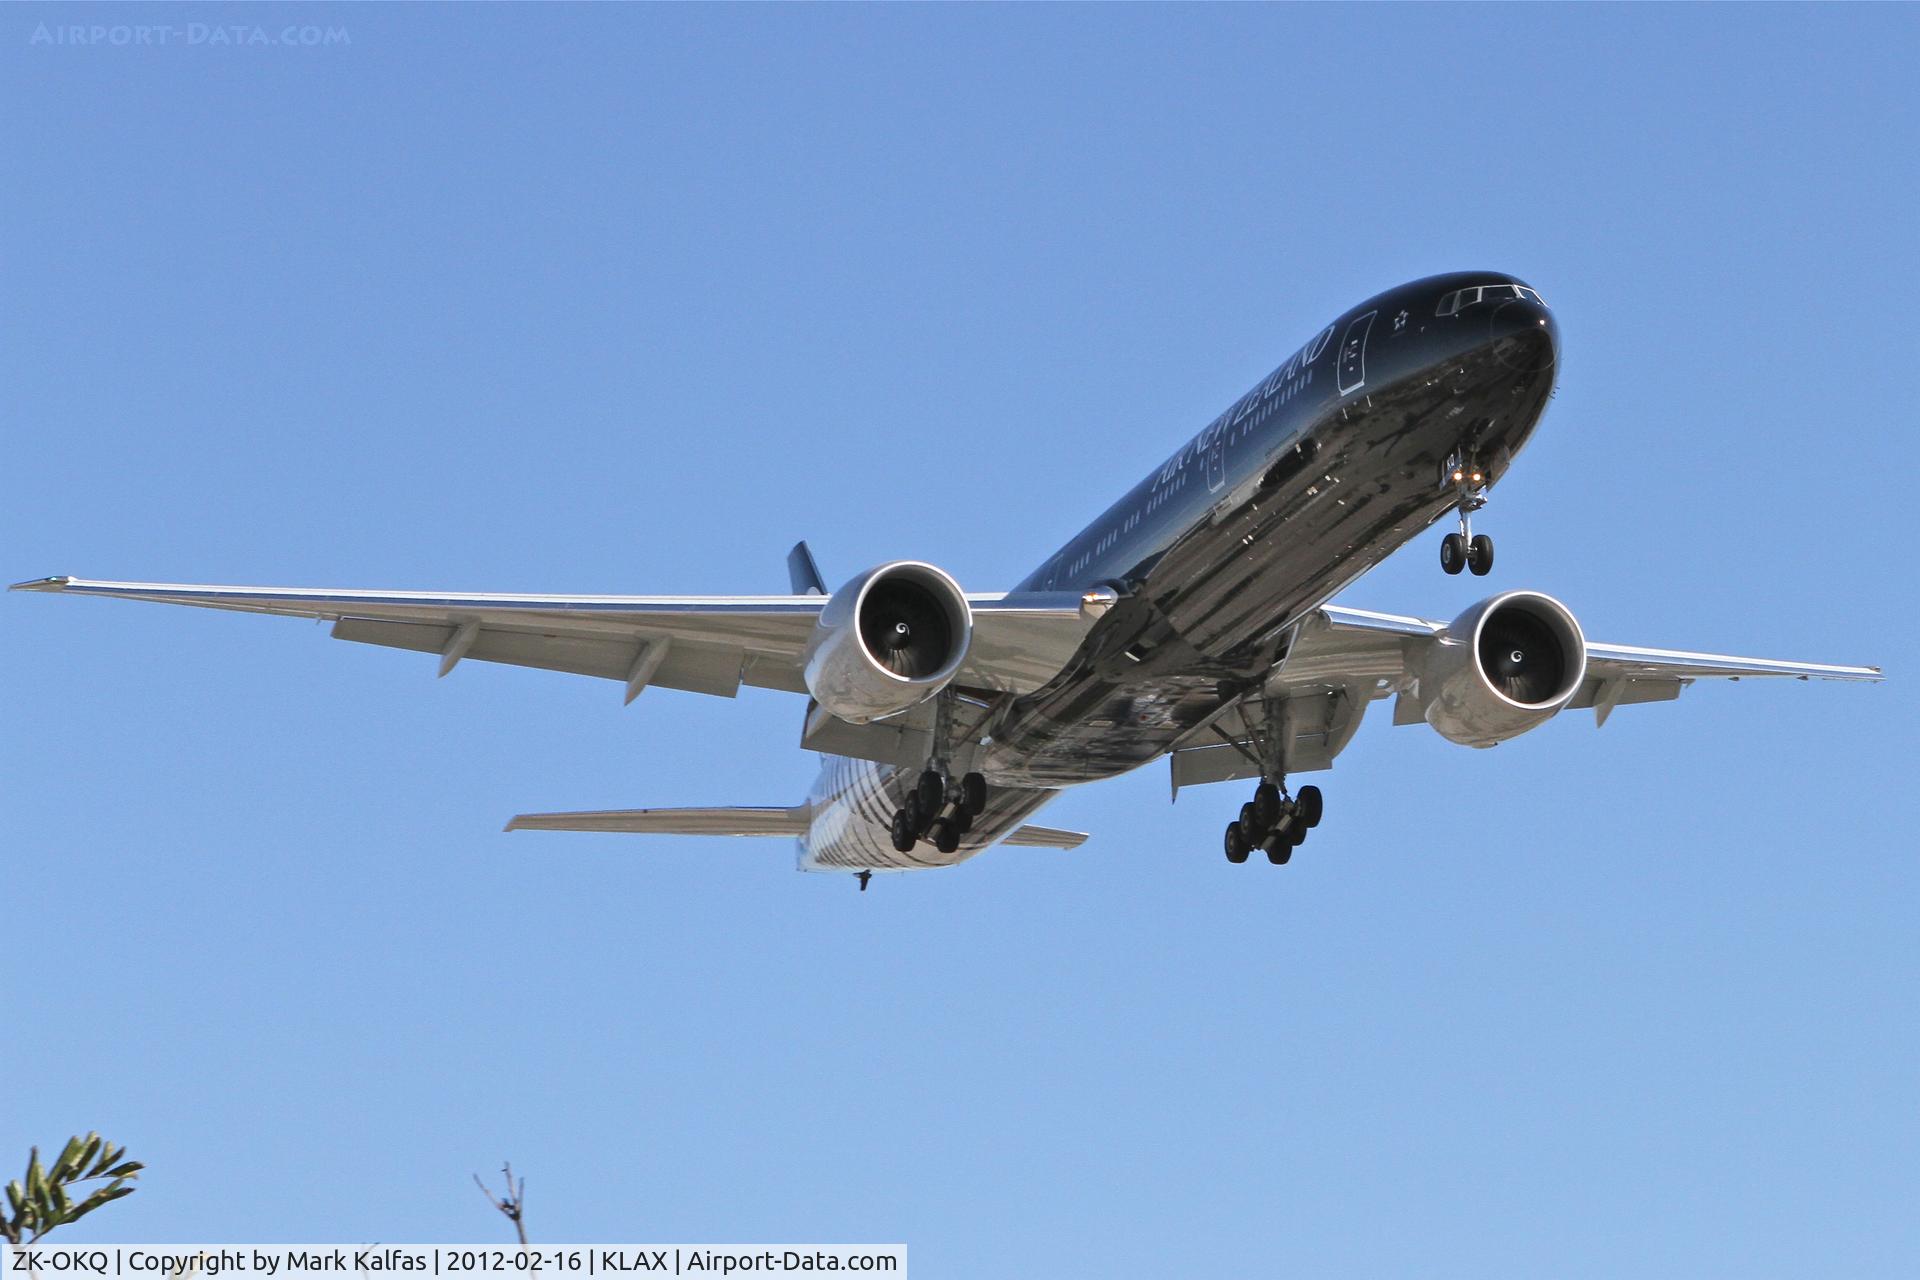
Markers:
<point>703,644</point>
<point>1342,660</point>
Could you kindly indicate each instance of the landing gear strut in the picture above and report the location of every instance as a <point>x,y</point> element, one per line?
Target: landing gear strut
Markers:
<point>1466,549</point>
<point>865,877</point>
<point>1274,822</point>
<point>939,810</point>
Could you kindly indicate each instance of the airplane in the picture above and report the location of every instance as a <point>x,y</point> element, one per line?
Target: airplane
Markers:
<point>1192,620</point>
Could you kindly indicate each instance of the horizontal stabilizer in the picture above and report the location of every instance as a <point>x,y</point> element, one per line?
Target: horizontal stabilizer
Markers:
<point>1046,838</point>
<point>675,822</point>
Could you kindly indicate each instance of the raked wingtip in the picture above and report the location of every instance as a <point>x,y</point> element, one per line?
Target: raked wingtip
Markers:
<point>43,584</point>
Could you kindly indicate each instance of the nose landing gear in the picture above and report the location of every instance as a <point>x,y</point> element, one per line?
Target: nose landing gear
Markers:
<point>1274,822</point>
<point>1466,549</point>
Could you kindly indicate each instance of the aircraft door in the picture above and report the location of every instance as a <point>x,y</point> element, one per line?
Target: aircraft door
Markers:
<point>1217,459</point>
<point>1353,353</point>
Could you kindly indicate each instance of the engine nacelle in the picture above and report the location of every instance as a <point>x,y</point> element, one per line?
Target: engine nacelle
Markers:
<point>1503,667</point>
<point>888,640</point>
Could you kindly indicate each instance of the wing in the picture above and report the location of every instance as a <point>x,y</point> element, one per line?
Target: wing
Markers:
<point>1342,660</point>
<point>704,644</point>
<point>1612,669</point>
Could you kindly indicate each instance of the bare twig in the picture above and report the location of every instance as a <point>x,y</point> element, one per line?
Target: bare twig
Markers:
<point>512,1202</point>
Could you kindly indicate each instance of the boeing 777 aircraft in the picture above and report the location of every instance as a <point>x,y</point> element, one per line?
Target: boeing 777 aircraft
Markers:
<point>1190,620</point>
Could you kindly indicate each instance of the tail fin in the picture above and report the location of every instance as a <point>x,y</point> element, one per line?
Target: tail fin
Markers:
<point>680,822</point>
<point>803,572</point>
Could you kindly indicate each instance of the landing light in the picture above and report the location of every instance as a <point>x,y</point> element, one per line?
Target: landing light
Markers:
<point>1095,601</point>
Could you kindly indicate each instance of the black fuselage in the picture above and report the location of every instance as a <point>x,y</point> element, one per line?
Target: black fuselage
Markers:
<point>1318,473</point>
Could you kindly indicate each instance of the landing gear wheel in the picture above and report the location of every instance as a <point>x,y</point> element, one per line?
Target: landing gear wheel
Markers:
<point>973,793</point>
<point>945,838</point>
<point>1453,553</point>
<point>1479,555</point>
<point>962,820</point>
<point>1266,805</point>
<point>1297,833</point>
<point>930,791</point>
<point>1309,806</point>
<point>1237,846</point>
<point>1279,848</point>
<point>1250,821</point>
<point>905,832</point>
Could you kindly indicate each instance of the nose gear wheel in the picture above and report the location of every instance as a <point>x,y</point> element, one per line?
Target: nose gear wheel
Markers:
<point>1466,549</point>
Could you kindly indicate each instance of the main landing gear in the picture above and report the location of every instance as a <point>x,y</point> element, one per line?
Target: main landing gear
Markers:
<point>939,810</point>
<point>1273,821</point>
<point>1466,549</point>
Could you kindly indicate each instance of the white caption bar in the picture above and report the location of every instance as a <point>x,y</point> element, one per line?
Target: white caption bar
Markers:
<point>455,1261</point>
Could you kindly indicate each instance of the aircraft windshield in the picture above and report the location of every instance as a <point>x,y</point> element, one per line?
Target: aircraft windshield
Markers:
<point>1460,299</point>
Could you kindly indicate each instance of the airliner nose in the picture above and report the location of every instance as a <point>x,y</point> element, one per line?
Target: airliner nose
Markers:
<point>1525,337</point>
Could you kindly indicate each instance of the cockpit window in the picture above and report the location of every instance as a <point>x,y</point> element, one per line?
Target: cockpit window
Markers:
<point>1460,299</point>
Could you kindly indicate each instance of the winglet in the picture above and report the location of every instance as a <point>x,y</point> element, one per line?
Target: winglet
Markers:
<point>803,572</point>
<point>43,584</point>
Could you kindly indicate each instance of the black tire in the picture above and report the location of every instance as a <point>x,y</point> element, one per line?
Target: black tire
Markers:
<point>1309,806</point>
<point>1266,805</point>
<point>905,831</point>
<point>1250,821</point>
<point>915,817</point>
<point>931,791</point>
<point>973,793</point>
<point>962,820</point>
<point>1297,834</point>
<point>1480,555</point>
<point>1453,553</point>
<point>1279,849</point>
<point>1236,842</point>
<point>943,835</point>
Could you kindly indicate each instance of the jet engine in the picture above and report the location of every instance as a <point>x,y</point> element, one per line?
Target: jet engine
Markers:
<point>888,640</point>
<point>1501,668</point>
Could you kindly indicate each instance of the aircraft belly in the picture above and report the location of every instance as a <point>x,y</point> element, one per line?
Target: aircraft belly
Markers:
<point>1210,617</point>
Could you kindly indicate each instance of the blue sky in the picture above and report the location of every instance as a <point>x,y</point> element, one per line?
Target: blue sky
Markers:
<point>629,299</point>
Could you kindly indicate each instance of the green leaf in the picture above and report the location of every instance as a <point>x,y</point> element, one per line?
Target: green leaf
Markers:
<point>67,1165</point>
<point>87,1163</point>
<point>16,1197</point>
<point>99,1198</point>
<point>130,1169</point>
<point>36,1176</point>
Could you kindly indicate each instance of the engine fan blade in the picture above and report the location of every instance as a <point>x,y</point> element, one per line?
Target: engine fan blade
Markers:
<point>906,629</point>
<point>1522,657</point>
